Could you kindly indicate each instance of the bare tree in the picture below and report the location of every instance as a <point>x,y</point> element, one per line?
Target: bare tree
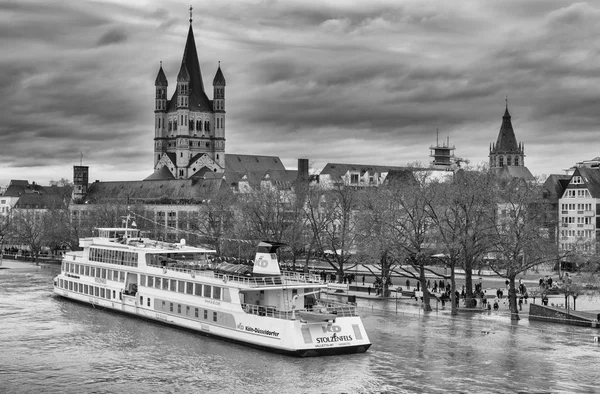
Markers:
<point>331,219</point>
<point>520,240</point>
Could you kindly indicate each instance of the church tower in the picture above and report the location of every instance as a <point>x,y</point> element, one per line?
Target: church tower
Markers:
<point>189,138</point>
<point>506,152</point>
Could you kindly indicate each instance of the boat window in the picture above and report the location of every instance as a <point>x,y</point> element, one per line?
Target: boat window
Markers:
<point>60,283</point>
<point>216,293</point>
<point>114,294</point>
<point>148,301</point>
<point>173,285</point>
<point>198,289</point>
<point>187,310</point>
<point>150,281</point>
<point>157,282</point>
<point>102,293</point>
<point>62,266</point>
<point>207,291</point>
<point>214,316</point>
<point>96,291</point>
<point>93,271</point>
<point>80,288</point>
<point>108,293</point>
<point>181,286</point>
<point>226,295</point>
<point>141,300</point>
<point>142,280</point>
<point>171,306</point>
<point>205,314</point>
<point>70,285</point>
<point>122,276</point>
<point>103,273</point>
<point>165,284</point>
<point>190,288</point>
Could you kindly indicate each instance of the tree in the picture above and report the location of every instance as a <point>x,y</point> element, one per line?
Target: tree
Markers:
<point>5,230</point>
<point>459,211</point>
<point>331,219</point>
<point>32,228</point>
<point>520,238</point>
<point>376,236</point>
<point>409,222</point>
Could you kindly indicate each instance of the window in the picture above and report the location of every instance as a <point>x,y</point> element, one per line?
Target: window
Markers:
<point>171,306</point>
<point>181,287</point>
<point>207,291</point>
<point>205,314</point>
<point>216,293</point>
<point>214,316</point>
<point>577,180</point>
<point>187,310</point>
<point>173,285</point>
<point>196,312</point>
<point>150,281</point>
<point>198,289</point>
<point>179,308</point>
<point>148,301</point>
<point>190,288</point>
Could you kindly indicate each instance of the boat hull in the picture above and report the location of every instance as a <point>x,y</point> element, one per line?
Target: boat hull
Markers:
<point>290,337</point>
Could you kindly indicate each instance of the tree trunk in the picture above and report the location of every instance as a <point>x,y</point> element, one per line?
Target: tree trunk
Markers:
<point>512,298</point>
<point>469,282</point>
<point>422,279</point>
<point>454,310</point>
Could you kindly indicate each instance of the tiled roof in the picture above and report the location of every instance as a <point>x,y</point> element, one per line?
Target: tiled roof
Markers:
<point>510,172</point>
<point>591,177</point>
<point>152,191</point>
<point>555,185</point>
<point>337,170</point>
<point>39,201</point>
<point>507,142</point>
<point>161,78</point>
<point>161,174</point>
<point>248,163</point>
<point>198,101</point>
<point>219,79</point>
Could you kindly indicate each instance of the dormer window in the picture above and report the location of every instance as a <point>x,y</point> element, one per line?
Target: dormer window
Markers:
<point>577,180</point>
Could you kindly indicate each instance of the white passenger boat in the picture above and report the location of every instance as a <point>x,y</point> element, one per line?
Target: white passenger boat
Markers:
<point>178,284</point>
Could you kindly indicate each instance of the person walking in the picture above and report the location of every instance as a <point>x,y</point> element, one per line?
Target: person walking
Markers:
<point>363,280</point>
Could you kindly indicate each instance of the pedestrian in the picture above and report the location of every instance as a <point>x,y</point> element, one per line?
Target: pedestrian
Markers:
<point>407,284</point>
<point>520,303</point>
<point>418,286</point>
<point>428,284</point>
<point>369,289</point>
<point>363,280</point>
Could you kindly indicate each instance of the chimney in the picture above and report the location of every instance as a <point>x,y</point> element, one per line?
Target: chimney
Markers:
<point>302,169</point>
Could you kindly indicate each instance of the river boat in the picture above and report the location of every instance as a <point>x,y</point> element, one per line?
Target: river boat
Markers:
<point>182,285</point>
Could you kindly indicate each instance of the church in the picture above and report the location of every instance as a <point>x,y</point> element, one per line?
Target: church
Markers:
<point>507,157</point>
<point>191,167</point>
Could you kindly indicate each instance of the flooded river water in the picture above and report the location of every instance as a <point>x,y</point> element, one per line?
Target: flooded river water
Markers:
<point>52,345</point>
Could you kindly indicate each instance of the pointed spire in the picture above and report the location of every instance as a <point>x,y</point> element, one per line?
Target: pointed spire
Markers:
<point>184,75</point>
<point>507,142</point>
<point>219,78</point>
<point>161,78</point>
<point>191,14</point>
<point>506,113</point>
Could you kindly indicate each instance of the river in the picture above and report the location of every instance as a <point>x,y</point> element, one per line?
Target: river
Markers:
<point>52,345</point>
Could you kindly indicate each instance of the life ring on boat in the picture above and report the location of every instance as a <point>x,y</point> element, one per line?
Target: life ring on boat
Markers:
<point>193,274</point>
<point>225,278</point>
<point>164,270</point>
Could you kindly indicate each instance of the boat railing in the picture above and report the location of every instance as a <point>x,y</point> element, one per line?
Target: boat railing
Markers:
<point>205,270</point>
<point>323,306</point>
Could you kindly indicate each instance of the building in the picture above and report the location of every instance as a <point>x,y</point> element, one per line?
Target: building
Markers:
<point>443,155</point>
<point>191,168</point>
<point>578,213</point>
<point>507,156</point>
<point>189,128</point>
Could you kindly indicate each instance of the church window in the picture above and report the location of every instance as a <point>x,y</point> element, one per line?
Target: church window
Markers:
<point>217,156</point>
<point>207,145</point>
<point>181,154</point>
<point>170,126</point>
<point>175,125</point>
<point>199,125</point>
<point>207,125</point>
<point>509,160</point>
<point>516,160</point>
<point>501,162</point>
<point>191,124</point>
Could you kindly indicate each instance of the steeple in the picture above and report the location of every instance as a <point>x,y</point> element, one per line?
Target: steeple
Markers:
<point>506,151</point>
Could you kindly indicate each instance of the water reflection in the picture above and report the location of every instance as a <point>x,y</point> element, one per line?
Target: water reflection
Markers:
<point>53,345</point>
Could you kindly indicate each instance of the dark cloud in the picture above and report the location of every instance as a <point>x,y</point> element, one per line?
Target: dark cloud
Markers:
<point>113,36</point>
<point>366,82</point>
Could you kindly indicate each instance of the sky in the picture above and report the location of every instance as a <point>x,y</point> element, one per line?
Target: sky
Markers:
<point>363,82</point>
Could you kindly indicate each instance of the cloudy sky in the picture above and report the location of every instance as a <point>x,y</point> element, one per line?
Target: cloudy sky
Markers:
<point>365,82</point>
